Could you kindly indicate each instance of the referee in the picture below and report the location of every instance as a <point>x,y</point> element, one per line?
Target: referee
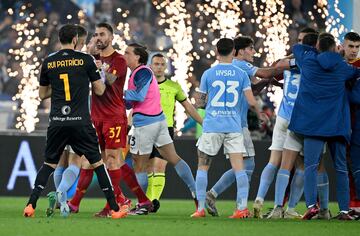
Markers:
<point>65,77</point>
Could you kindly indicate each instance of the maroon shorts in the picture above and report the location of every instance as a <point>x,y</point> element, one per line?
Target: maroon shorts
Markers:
<point>111,134</point>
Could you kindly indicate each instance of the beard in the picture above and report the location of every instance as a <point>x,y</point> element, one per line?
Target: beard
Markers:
<point>102,45</point>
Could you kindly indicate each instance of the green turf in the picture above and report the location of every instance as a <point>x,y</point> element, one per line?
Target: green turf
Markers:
<point>172,219</point>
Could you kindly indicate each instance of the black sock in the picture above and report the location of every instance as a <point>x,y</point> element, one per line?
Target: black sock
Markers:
<point>106,187</point>
<point>40,183</point>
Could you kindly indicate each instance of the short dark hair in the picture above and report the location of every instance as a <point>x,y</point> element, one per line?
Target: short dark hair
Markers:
<point>225,46</point>
<point>105,25</point>
<point>81,31</point>
<point>157,55</point>
<point>242,42</point>
<point>308,30</point>
<point>140,51</point>
<point>324,34</point>
<point>326,44</point>
<point>67,33</point>
<point>352,36</point>
<point>310,39</point>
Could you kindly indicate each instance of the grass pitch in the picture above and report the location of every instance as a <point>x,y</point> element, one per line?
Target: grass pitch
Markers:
<point>172,219</point>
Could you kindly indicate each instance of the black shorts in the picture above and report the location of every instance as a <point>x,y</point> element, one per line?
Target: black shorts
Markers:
<point>155,152</point>
<point>82,139</point>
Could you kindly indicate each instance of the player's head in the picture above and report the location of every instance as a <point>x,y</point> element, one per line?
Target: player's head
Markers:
<point>158,65</point>
<point>225,47</point>
<point>104,35</point>
<point>68,35</point>
<point>244,48</point>
<point>82,35</point>
<point>351,45</point>
<point>135,55</point>
<point>310,39</point>
<point>305,31</point>
<point>326,44</point>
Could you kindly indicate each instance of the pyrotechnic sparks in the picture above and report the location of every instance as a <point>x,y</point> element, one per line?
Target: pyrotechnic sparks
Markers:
<point>29,68</point>
<point>179,29</point>
<point>275,24</point>
<point>333,23</point>
<point>123,33</point>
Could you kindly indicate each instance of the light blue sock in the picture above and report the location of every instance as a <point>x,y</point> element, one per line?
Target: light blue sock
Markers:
<point>296,188</point>
<point>58,175</point>
<point>323,190</point>
<point>249,166</point>
<point>68,179</point>
<point>201,184</point>
<point>184,172</point>
<point>282,181</point>
<point>223,183</point>
<point>267,177</point>
<point>142,179</point>
<point>242,185</point>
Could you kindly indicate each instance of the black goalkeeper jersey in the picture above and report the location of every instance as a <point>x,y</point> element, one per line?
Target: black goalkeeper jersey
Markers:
<point>69,72</point>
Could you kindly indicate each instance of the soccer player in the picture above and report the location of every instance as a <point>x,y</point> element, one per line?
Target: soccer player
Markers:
<point>150,127</point>
<point>65,77</point>
<point>108,114</point>
<point>320,106</point>
<point>351,46</point>
<point>244,56</point>
<point>281,138</point>
<point>170,92</point>
<point>68,168</point>
<point>223,86</point>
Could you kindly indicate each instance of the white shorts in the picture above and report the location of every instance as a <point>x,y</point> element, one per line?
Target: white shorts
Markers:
<point>145,137</point>
<point>210,143</point>
<point>249,146</point>
<point>279,134</point>
<point>293,142</point>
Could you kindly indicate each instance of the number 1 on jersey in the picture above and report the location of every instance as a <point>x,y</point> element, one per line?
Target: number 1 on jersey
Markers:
<point>65,78</point>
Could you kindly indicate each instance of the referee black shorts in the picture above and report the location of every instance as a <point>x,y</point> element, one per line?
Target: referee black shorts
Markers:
<point>155,152</point>
<point>82,139</point>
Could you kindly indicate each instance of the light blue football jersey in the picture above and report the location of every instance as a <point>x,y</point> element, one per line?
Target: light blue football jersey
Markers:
<point>224,85</point>
<point>291,89</point>
<point>250,71</point>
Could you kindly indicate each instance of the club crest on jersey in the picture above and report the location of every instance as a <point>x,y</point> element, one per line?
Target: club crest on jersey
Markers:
<point>65,110</point>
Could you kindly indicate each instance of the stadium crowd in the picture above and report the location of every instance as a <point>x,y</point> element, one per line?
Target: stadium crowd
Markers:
<point>143,21</point>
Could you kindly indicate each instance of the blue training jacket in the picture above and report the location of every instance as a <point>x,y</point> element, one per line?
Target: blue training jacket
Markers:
<point>322,106</point>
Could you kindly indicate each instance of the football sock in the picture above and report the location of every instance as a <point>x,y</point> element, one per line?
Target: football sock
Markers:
<point>267,177</point>
<point>296,188</point>
<point>249,166</point>
<point>40,183</point>
<point>184,171</point>
<point>106,187</point>
<point>242,185</point>
<point>85,178</point>
<point>69,177</point>
<point>149,191</point>
<point>223,183</point>
<point>59,170</point>
<point>142,180</point>
<point>158,185</point>
<point>115,177</point>
<point>201,184</point>
<point>282,181</point>
<point>131,181</point>
<point>323,189</point>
